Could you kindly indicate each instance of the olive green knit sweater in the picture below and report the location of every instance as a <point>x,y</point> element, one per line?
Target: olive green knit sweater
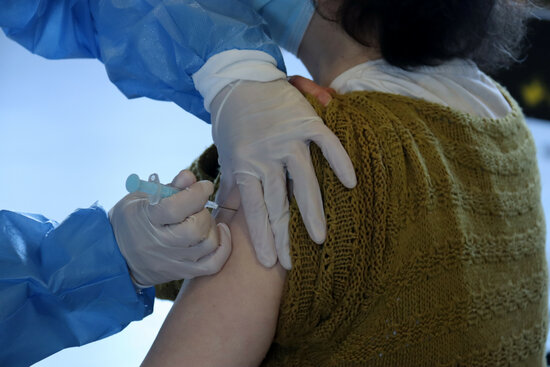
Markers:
<point>436,258</point>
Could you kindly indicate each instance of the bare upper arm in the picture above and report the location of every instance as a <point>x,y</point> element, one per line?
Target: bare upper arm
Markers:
<point>227,319</point>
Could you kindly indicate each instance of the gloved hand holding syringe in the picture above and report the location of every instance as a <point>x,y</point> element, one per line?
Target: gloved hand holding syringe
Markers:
<point>156,190</point>
<point>172,238</point>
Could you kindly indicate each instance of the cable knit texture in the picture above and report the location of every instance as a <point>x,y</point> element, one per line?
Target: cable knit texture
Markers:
<point>436,258</point>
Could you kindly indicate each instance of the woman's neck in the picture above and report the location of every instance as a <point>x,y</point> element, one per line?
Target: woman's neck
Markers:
<point>327,51</point>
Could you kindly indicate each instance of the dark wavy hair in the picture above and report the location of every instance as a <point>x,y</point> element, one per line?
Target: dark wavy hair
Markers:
<point>428,32</point>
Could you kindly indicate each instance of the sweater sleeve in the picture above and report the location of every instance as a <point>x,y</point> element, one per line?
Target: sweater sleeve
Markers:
<point>62,285</point>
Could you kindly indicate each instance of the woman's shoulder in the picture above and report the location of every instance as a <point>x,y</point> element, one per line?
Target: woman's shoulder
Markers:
<point>395,127</point>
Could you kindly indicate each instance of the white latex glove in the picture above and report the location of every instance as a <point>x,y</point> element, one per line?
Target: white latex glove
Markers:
<point>262,131</point>
<point>174,239</point>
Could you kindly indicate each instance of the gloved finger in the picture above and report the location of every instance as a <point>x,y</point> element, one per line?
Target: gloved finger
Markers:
<point>194,229</point>
<point>136,195</point>
<point>276,201</point>
<point>183,179</point>
<point>127,200</point>
<point>257,220</point>
<point>208,244</point>
<point>213,262</point>
<point>307,193</point>
<point>304,85</point>
<point>176,208</point>
<point>227,183</point>
<point>335,154</point>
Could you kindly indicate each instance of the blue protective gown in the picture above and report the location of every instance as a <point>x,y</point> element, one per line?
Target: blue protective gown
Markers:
<point>150,48</point>
<point>62,285</point>
<point>67,285</point>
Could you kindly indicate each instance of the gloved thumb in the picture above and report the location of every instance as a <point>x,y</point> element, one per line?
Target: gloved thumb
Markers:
<point>323,94</point>
<point>227,184</point>
<point>184,179</point>
<point>225,235</point>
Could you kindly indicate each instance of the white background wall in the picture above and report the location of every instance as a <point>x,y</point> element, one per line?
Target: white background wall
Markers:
<point>69,138</point>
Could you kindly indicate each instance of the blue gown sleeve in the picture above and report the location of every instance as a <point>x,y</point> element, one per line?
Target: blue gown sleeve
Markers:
<point>150,48</point>
<point>62,285</point>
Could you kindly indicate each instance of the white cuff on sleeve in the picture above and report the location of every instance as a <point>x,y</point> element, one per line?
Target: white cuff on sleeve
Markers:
<point>232,65</point>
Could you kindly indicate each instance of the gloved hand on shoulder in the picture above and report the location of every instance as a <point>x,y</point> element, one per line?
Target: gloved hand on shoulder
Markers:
<point>262,127</point>
<point>174,239</point>
<point>262,131</point>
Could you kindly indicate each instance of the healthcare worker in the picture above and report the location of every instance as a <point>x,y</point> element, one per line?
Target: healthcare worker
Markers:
<point>208,56</point>
<point>80,281</point>
<point>204,56</point>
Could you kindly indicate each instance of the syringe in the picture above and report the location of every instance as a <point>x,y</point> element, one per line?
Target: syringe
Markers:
<point>155,189</point>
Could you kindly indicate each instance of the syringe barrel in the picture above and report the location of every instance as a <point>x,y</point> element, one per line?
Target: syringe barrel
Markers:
<point>134,183</point>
